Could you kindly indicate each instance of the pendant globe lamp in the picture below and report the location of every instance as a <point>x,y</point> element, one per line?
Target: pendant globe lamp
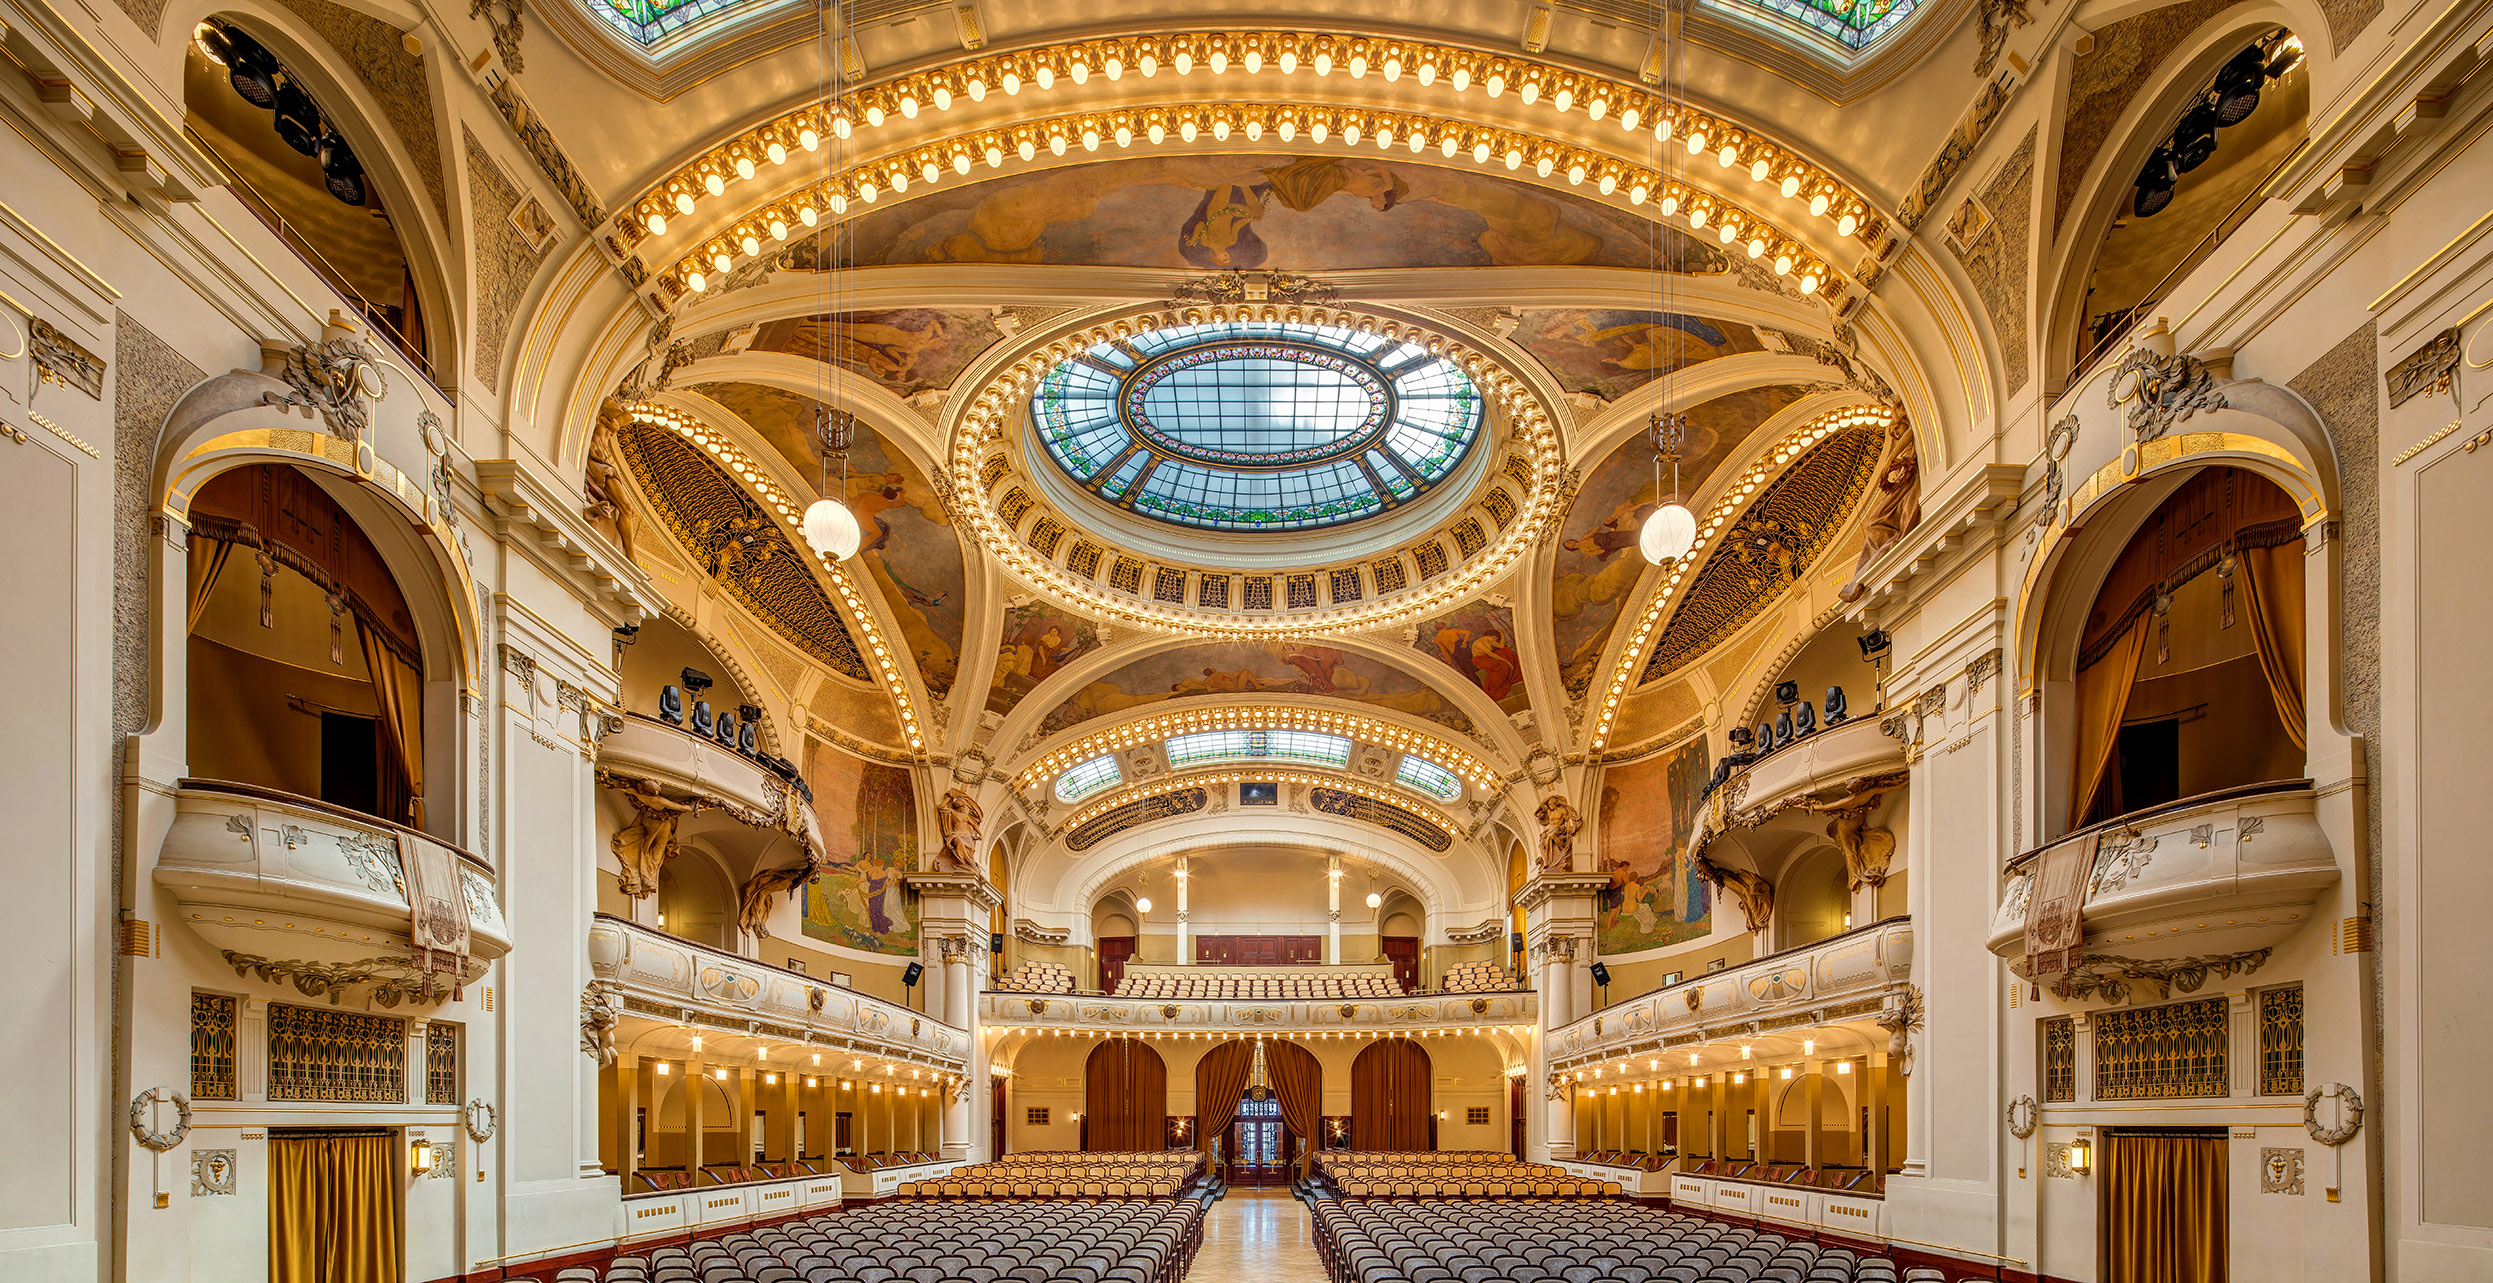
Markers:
<point>830,528</point>
<point>1672,529</point>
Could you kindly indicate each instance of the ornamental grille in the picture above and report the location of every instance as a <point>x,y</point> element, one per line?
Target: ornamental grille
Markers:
<point>1259,592</point>
<point>2172,1052</point>
<point>324,1053</point>
<point>1085,559</point>
<point>1016,506</point>
<point>1035,1116</point>
<point>1345,586</point>
<point>1520,468</point>
<point>212,1046</point>
<point>1212,592</point>
<point>1302,592</point>
<point>1045,536</point>
<point>1126,575</point>
<point>1477,1115</point>
<point>1469,538</point>
<point>1500,504</point>
<point>1390,575</point>
<point>2060,1059</point>
<point>1169,586</point>
<point>1774,542</point>
<point>1384,815</point>
<point>441,1064</point>
<point>993,471</point>
<point>1144,811</point>
<point>738,544</point>
<point>1432,559</point>
<point>2281,1041</point>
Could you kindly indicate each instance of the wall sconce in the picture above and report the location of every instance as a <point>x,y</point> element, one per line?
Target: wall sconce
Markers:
<point>1700,1080</point>
<point>420,1156</point>
<point>1666,1084</point>
<point>1785,1072</point>
<point>720,1074</point>
<point>1843,1067</point>
<point>813,1082</point>
<point>2082,1156</point>
<point>1848,922</point>
<point>663,1071</point>
<point>1739,1080</point>
<point>772,1080</point>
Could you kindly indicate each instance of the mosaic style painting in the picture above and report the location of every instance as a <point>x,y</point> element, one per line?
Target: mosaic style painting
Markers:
<point>1039,639</point>
<point>907,350</point>
<point>1647,810</point>
<point>1298,213</point>
<point>870,822</point>
<point>1479,643</point>
<point>1255,668</point>
<point>1609,352</point>
<point>1597,566</point>
<point>910,549</point>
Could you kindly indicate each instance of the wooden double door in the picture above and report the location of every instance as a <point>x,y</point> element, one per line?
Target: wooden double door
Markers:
<point>1259,951</point>
<point>1262,1149</point>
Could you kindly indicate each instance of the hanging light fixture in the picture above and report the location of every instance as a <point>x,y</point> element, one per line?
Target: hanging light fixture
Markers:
<point>829,527</point>
<point>1672,529</point>
<point>1142,901</point>
<point>1376,898</point>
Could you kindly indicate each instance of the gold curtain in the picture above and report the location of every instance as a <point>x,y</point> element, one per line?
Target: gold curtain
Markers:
<point>1298,1079</point>
<point>2102,694</point>
<point>2164,1209</point>
<point>1220,1078</point>
<point>1126,1090</point>
<point>336,1209</point>
<point>399,691</point>
<point>2272,586</point>
<point>1391,1096</point>
<point>207,562</point>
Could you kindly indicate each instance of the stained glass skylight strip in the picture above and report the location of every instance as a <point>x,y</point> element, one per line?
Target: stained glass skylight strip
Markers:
<point>1283,745</point>
<point>1426,776</point>
<point>1082,779</point>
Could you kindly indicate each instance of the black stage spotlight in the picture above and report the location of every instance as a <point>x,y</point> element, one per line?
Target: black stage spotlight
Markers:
<point>343,173</point>
<point>298,118</point>
<point>2194,140</point>
<point>1874,643</point>
<point>2237,86</point>
<point>909,976</point>
<point>1601,974</point>
<point>995,942</point>
<point>251,68</point>
<point>215,43</point>
<point>2155,183</point>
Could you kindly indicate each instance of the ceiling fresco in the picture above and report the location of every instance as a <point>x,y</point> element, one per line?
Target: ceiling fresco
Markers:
<point>1040,638</point>
<point>1255,668</point>
<point>905,350</point>
<point>1610,352</point>
<point>1478,641</point>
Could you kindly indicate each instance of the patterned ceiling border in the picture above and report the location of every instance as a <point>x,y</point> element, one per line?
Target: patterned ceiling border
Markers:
<point>1159,726</point>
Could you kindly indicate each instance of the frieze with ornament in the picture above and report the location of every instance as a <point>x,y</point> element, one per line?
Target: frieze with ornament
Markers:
<point>2157,393</point>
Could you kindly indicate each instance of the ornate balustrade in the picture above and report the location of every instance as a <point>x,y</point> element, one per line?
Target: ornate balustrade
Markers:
<point>1348,1017</point>
<point>648,975</point>
<point>2206,887</point>
<point>700,767</point>
<point>1861,975</point>
<point>1776,781</point>
<point>301,892</point>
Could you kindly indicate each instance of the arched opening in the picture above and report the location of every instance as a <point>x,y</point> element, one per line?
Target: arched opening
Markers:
<point>1260,1130</point>
<point>2196,184</point>
<point>291,164</point>
<point>695,901</point>
<point>1125,1097</point>
<point>306,673</point>
<point>1392,1097</point>
<point>2189,663</point>
<point>669,1143</point>
<point>1398,931</point>
<point>1813,900</point>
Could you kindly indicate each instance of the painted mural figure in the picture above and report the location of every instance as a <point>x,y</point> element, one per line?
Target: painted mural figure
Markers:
<point>1647,810</point>
<point>1897,507</point>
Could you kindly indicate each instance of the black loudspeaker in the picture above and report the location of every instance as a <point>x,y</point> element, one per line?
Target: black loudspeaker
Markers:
<point>1601,975</point>
<point>995,942</point>
<point>909,977</point>
<point>1514,942</point>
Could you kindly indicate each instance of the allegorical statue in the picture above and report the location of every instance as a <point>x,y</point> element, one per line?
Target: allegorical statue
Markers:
<point>1866,850</point>
<point>1895,509</point>
<point>1755,894</point>
<point>643,846</point>
<point>762,890</point>
<point>602,474</point>
<point>957,819</point>
<point>1560,822</point>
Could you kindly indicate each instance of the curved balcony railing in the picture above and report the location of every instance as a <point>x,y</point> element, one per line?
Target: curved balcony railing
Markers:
<point>1378,1017</point>
<point>700,766</point>
<point>301,891</point>
<point>1847,977</point>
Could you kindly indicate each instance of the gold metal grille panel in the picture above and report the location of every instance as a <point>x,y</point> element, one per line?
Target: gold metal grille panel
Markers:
<point>1016,506</point>
<point>1084,560</point>
<point>1792,524</point>
<point>212,1046</point>
<point>1258,592</point>
<point>441,1064</point>
<point>1345,585</point>
<point>2281,1041</point>
<point>1384,815</point>
<point>1212,592</point>
<point>1520,468</point>
<point>1045,536</point>
<point>1143,811</point>
<point>1500,504</point>
<point>1391,576</point>
<point>1302,592</point>
<point>1169,584</point>
<point>1126,575</point>
<point>2060,1059</point>
<point>993,471</point>
<point>2172,1052</point>
<point>326,1053</point>
<point>739,545</point>
<point>1432,559</point>
<point>1469,538</point>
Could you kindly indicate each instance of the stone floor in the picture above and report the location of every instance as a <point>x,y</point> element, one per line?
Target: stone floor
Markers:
<point>1257,1236</point>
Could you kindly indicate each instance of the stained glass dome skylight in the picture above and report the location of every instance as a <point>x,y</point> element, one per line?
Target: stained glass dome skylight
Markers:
<point>1257,425</point>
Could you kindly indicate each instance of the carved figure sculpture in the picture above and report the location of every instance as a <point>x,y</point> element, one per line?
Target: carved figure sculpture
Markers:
<point>1755,894</point>
<point>1897,507</point>
<point>958,818</point>
<point>602,475</point>
<point>762,891</point>
<point>644,846</point>
<point>1560,822</point>
<point>1866,850</point>
<point>1901,1022</point>
<point>599,1015</point>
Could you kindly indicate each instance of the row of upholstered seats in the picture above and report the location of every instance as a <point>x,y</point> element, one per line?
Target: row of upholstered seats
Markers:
<point>663,1179</point>
<point>1453,1174</point>
<point>1633,1160</point>
<point>1524,1242</point>
<point>1063,1174</point>
<point>1037,977</point>
<point>1131,1242</point>
<point>1217,986</point>
<point>1476,977</point>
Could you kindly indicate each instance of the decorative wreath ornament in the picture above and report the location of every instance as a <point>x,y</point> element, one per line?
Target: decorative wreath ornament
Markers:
<point>2350,1106</point>
<point>481,1121</point>
<point>2023,1114</point>
<point>142,1118</point>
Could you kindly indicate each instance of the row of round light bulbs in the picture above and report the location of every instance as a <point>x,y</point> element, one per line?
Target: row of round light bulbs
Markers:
<point>1672,537</point>
<point>857,1063</point>
<point>1198,779</point>
<point>988,418</point>
<point>907,97</point>
<point>1653,1065</point>
<point>1485,145</point>
<point>1313,1035</point>
<point>829,528</point>
<point>1152,730</point>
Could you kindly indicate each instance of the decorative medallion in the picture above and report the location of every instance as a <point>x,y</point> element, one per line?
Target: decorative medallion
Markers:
<point>214,1172</point>
<point>2427,371</point>
<point>2023,1115</point>
<point>2161,391</point>
<point>2281,1171</point>
<point>2349,1113</point>
<point>481,1120</point>
<point>143,1118</point>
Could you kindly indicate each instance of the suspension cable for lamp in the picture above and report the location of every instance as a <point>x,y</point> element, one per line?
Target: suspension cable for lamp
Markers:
<point>1671,531</point>
<point>829,527</point>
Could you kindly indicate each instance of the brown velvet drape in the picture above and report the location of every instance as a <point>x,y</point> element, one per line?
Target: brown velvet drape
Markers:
<point>207,564</point>
<point>2164,1209</point>
<point>1220,1078</point>
<point>2102,695</point>
<point>399,692</point>
<point>1126,1094</point>
<point>2272,584</point>
<point>336,1208</point>
<point>1391,1096</point>
<point>285,513</point>
<point>1298,1080</point>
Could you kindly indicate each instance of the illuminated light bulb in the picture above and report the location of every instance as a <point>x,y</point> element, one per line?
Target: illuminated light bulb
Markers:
<point>1358,65</point>
<point>779,227</point>
<point>683,203</point>
<point>1759,169</point>
<point>777,151</point>
<point>1757,246</point>
<point>1696,142</point>
<point>1045,76</point>
<point>1783,264</point>
<point>1080,72</point>
<point>839,202</point>
<point>1670,204</point>
<point>1790,185</point>
<point>714,184</point>
<point>1696,216</point>
<point>1011,83</point>
<point>1148,64</point>
<point>1544,166</point>
<point>1609,183</point>
<point>1090,139</point>
<point>909,106</point>
<point>657,223</point>
<point>1846,225</point>
<point>842,126</point>
<point>1186,130</point>
<point>1254,61</point>
<point>1495,84</point>
<point>1183,63</point>
<point>1809,283</point>
<point>1218,62</point>
<point>874,115</point>
<point>1125,135</point>
<point>1530,92</point>
<point>832,530</point>
<point>976,89</point>
<point>1220,129</point>
<point>1254,130</point>
<point>1638,193</point>
<point>1056,144</point>
<point>1563,99</point>
<point>744,167</point>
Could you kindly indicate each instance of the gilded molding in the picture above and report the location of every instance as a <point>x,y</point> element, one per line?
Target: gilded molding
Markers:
<point>2427,371</point>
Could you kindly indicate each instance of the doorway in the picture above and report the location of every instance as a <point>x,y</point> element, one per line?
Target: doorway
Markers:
<point>336,1205</point>
<point>1404,953</point>
<point>995,1119</point>
<point>1515,1117</point>
<point>1259,1144</point>
<point>2162,1205</point>
<point>1114,953</point>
